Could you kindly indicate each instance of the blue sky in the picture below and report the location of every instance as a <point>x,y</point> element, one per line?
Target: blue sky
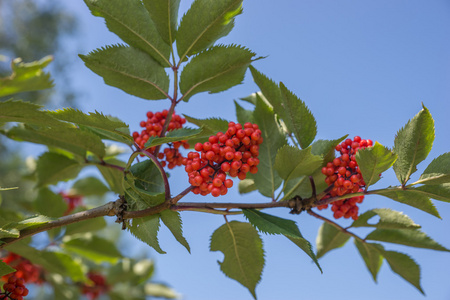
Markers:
<point>363,68</point>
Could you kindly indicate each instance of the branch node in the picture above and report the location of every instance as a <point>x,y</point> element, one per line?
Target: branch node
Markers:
<point>120,207</point>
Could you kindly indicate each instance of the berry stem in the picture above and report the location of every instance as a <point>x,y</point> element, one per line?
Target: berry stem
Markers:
<point>336,225</point>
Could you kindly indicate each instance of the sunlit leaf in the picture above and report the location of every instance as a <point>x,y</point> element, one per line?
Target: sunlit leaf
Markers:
<point>389,219</point>
<point>164,14</point>
<point>329,238</point>
<point>438,171</point>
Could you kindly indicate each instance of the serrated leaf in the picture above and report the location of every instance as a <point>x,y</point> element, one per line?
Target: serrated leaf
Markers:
<point>71,139</point>
<point>411,198</point>
<point>243,115</point>
<point>5,269</point>
<point>164,14</point>
<point>146,230</point>
<point>210,127</point>
<point>407,237</point>
<point>373,161</point>
<point>291,162</point>
<point>113,176</point>
<point>52,168</point>
<point>438,171</point>
<point>326,148</point>
<point>371,257</point>
<point>215,70</point>
<point>267,179</point>
<point>49,203</point>
<point>298,118</point>
<point>329,238</point>
<point>204,23</point>
<point>412,144</point>
<point>25,112</point>
<point>130,70</point>
<point>246,186</point>
<point>91,247</point>
<point>439,192</point>
<point>389,219</point>
<point>243,253</point>
<point>110,127</point>
<point>26,77</point>
<point>172,220</point>
<point>147,177</point>
<point>404,266</point>
<point>174,136</point>
<point>274,225</point>
<point>89,186</point>
<point>132,23</point>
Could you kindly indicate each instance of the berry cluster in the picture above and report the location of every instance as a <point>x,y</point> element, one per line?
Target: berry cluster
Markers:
<point>72,201</point>
<point>153,127</point>
<point>98,287</point>
<point>234,152</point>
<point>14,289</point>
<point>345,176</point>
<point>26,271</point>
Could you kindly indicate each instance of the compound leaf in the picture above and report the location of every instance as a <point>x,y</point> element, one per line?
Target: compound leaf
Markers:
<point>439,192</point>
<point>172,220</point>
<point>164,14</point>
<point>371,257</point>
<point>438,171</point>
<point>244,255</point>
<point>146,230</point>
<point>25,112</point>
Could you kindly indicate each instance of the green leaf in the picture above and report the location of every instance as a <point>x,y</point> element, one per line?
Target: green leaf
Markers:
<point>210,127</point>
<point>439,192</point>
<point>291,162</point>
<point>132,23</point>
<point>5,269</point>
<point>113,177</point>
<point>71,139</point>
<point>267,179</point>
<point>28,223</point>
<point>8,189</point>
<point>298,118</point>
<point>49,203</point>
<point>389,219</point>
<point>94,248</point>
<point>373,161</point>
<point>301,186</point>
<point>26,77</point>
<point>243,115</point>
<point>160,290</point>
<point>215,70</point>
<point>130,70</point>
<point>329,238</point>
<point>172,220</point>
<point>9,233</point>
<point>204,23</point>
<point>412,238</point>
<point>51,261</point>
<point>174,136</point>
<point>246,186</point>
<point>135,272</point>
<point>371,257</point>
<point>89,225</point>
<point>244,255</point>
<point>164,14</point>
<point>274,225</point>
<point>326,148</point>
<point>147,177</point>
<point>412,144</point>
<point>404,266</point>
<point>52,168</point>
<point>146,230</point>
<point>410,198</point>
<point>25,112</point>
<point>438,171</point>
<point>110,127</point>
<point>89,186</point>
